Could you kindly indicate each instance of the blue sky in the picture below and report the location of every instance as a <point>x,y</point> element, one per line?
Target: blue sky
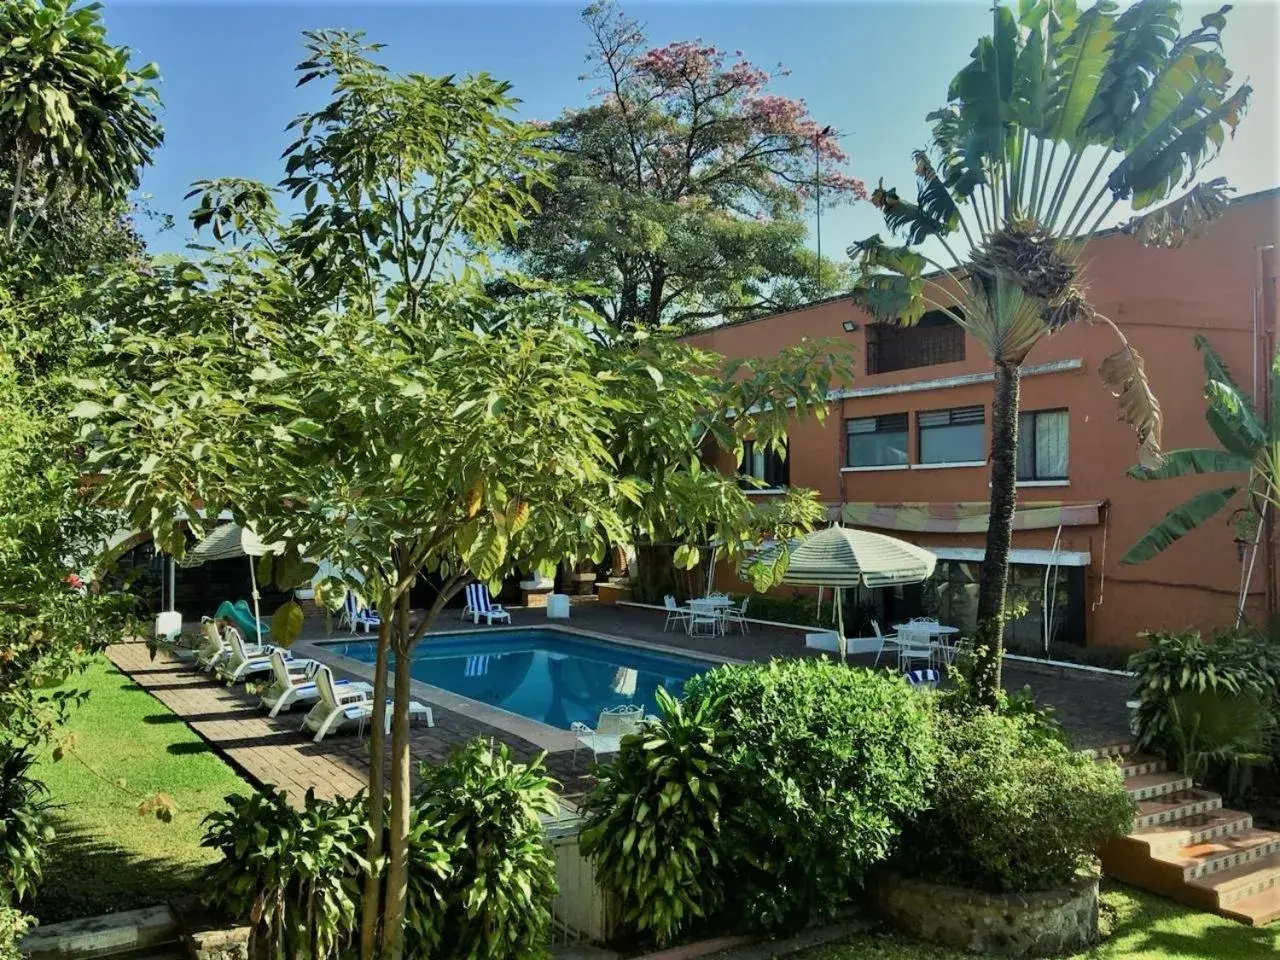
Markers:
<point>871,69</point>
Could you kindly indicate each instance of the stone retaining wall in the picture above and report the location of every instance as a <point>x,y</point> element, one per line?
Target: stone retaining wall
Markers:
<point>1010,925</point>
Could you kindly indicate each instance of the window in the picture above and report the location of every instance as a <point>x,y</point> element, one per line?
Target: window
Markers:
<point>1042,445</point>
<point>765,465</point>
<point>936,338</point>
<point>876,441</point>
<point>952,436</point>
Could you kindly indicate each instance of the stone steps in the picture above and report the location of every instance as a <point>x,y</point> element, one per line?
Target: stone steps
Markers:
<point>1184,845</point>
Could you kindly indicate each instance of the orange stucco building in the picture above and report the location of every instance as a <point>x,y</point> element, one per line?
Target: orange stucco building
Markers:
<point>904,446</point>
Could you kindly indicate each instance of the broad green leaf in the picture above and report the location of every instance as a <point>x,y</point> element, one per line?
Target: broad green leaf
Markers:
<point>1178,522</point>
<point>1183,463</point>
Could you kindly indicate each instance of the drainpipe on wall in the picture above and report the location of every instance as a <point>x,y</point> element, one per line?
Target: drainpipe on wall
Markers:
<point>1266,312</point>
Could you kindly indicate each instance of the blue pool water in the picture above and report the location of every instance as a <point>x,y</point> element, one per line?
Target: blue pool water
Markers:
<point>552,677</point>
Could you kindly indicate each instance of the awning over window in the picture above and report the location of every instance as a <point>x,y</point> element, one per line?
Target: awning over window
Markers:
<point>969,517</point>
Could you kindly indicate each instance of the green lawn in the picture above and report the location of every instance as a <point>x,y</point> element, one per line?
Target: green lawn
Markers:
<point>1137,927</point>
<point>107,856</point>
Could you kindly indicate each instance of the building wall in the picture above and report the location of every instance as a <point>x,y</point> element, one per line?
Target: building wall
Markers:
<point>1160,299</point>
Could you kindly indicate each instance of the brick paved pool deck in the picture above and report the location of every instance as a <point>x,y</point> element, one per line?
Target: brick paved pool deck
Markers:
<point>266,750</point>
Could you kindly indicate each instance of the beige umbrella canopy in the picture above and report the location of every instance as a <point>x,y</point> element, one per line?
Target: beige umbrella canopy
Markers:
<point>843,557</point>
<point>231,540</point>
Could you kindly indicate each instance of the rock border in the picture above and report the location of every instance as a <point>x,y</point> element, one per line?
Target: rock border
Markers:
<point>1010,924</point>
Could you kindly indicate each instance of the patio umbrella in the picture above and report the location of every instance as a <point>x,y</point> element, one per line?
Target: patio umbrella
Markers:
<point>231,540</point>
<point>841,557</point>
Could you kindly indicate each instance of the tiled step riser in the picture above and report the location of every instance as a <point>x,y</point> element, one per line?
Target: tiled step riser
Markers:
<point>1157,790</point>
<point>1228,860</point>
<point>1189,809</point>
<point>1110,750</point>
<point>1177,841</point>
<point>1264,882</point>
<point>1142,768</point>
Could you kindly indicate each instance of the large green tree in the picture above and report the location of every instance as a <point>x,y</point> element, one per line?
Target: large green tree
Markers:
<point>341,382</point>
<point>1060,115</point>
<point>680,192</point>
<point>74,112</point>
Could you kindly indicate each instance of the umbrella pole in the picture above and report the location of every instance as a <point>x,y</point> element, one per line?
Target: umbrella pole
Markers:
<point>257,617</point>
<point>844,644</point>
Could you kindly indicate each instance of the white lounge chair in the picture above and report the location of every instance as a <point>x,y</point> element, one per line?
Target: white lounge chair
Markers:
<point>245,659</point>
<point>614,724</point>
<point>349,703</point>
<point>675,613</point>
<point>355,617</point>
<point>480,604</point>
<point>292,683</point>
<point>214,648</point>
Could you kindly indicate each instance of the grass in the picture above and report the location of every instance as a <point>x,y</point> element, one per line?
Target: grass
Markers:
<point>1136,926</point>
<point>107,855</point>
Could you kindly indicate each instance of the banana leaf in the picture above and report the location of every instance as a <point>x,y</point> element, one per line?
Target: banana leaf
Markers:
<point>1177,523</point>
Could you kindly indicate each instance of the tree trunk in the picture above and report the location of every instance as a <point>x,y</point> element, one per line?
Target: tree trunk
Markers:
<point>398,861</point>
<point>989,647</point>
<point>18,176</point>
<point>372,903</point>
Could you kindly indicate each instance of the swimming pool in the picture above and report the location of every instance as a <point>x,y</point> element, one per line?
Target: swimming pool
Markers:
<point>547,675</point>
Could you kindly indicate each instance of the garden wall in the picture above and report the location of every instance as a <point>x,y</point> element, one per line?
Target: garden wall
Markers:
<point>1011,924</point>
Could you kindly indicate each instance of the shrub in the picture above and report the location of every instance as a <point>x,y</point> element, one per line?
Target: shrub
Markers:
<point>13,926</point>
<point>774,787</point>
<point>24,824</point>
<point>1012,810</point>
<point>482,877</point>
<point>1220,738</point>
<point>653,823</point>
<point>1235,663</point>
<point>825,765</point>
<point>294,875</point>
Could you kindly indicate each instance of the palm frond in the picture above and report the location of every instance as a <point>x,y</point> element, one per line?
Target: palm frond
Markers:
<point>888,280</point>
<point>1125,375</point>
<point>1184,219</point>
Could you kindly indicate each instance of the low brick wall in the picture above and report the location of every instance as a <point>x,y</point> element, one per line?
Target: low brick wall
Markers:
<point>1009,925</point>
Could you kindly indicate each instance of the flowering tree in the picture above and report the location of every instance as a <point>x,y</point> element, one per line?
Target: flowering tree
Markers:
<point>681,190</point>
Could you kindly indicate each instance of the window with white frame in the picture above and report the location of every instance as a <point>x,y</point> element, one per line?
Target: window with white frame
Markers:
<point>957,435</point>
<point>876,441</point>
<point>1043,445</point>
<point>761,463</point>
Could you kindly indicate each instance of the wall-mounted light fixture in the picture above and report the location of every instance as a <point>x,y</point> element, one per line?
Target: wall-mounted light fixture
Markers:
<point>849,326</point>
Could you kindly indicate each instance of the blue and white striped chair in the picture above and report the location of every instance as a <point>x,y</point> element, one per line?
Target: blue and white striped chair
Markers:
<point>928,679</point>
<point>480,604</point>
<point>357,617</point>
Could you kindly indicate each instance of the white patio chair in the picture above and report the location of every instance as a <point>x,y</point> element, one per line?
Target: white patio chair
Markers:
<point>737,615</point>
<point>480,604</point>
<point>349,703</point>
<point>245,659</point>
<point>704,616</point>
<point>292,683</point>
<point>675,613</point>
<point>914,647</point>
<point>614,724</point>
